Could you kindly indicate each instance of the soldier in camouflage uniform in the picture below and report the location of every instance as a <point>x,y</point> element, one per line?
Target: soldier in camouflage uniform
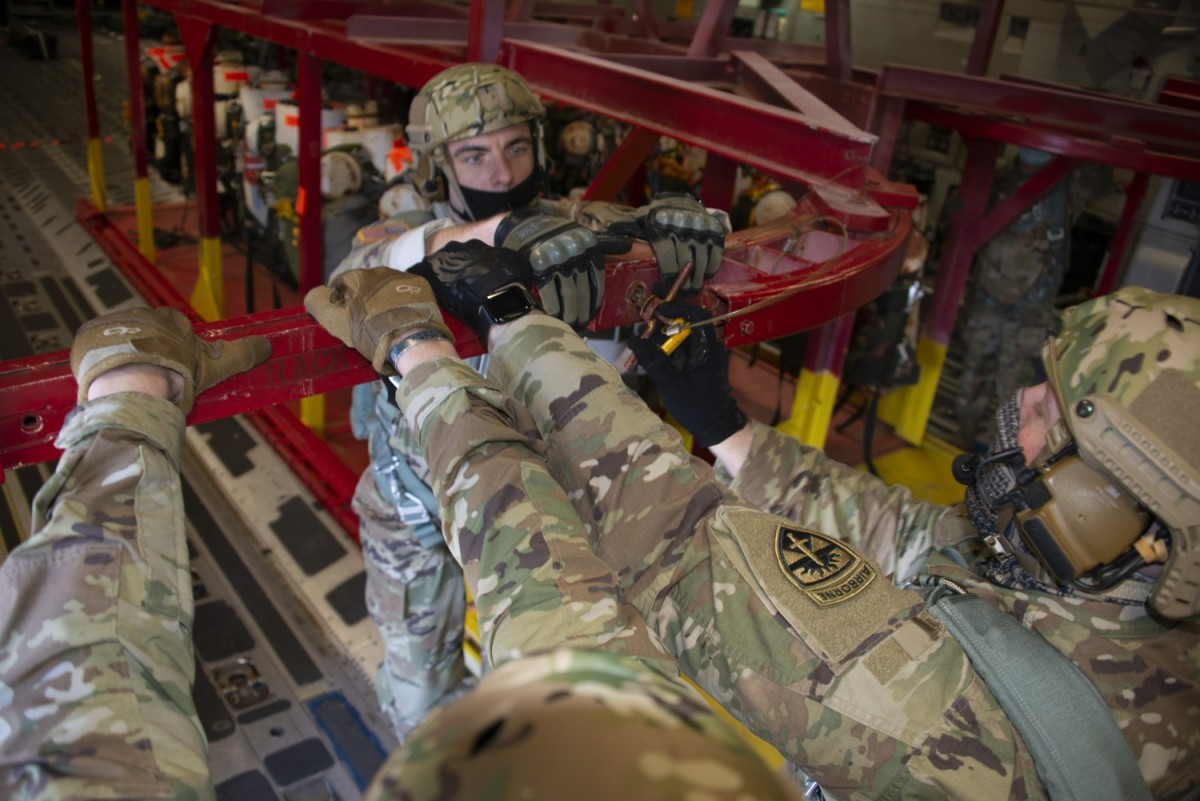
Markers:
<point>1010,309</point>
<point>793,629</point>
<point>475,131</point>
<point>96,664</point>
<point>1134,353</point>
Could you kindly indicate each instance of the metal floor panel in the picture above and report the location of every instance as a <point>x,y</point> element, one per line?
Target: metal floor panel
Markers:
<point>308,725</point>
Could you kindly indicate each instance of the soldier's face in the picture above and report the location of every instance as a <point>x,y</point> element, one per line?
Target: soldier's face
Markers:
<point>1039,413</point>
<point>493,162</point>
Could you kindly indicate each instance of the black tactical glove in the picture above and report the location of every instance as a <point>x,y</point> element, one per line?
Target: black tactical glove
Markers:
<point>678,228</point>
<point>479,284</point>
<point>370,308</point>
<point>693,382</point>
<point>567,260</point>
<point>161,337</point>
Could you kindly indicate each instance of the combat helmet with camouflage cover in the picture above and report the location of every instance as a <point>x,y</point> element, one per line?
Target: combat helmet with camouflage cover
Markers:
<point>464,101</point>
<point>581,725</point>
<point>1126,372</point>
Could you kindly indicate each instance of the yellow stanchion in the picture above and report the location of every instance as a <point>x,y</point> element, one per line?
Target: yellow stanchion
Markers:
<point>812,408</point>
<point>208,298</point>
<point>768,752</point>
<point>312,414</point>
<point>145,218</point>
<point>907,410</point>
<point>95,157</point>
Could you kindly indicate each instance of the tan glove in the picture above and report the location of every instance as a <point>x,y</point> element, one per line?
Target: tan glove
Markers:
<point>161,337</point>
<point>369,309</point>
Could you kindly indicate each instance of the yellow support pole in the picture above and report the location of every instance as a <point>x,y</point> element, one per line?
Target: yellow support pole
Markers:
<point>764,749</point>
<point>312,414</point>
<point>145,218</point>
<point>907,410</point>
<point>208,298</point>
<point>95,157</point>
<point>685,435</point>
<point>812,408</point>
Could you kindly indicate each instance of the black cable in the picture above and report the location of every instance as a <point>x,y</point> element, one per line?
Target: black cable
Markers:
<point>869,430</point>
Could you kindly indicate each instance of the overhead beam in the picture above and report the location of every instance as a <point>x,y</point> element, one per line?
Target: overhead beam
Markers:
<point>1101,115</point>
<point>780,141</point>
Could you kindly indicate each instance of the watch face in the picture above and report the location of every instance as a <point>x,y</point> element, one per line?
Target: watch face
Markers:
<point>508,303</point>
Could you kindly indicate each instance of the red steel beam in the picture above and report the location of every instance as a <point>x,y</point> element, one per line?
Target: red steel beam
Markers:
<point>324,39</point>
<point>839,58</point>
<point>1124,154</point>
<point>829,275</point>
<point>308,198</point>
<point>84,13</point>
<point>764,81</point>
<point>487,26</point>
<point>710,33</point>
<point>451,33</point>
<point>133,74</point>
<point>962,239</point>
<point>1180,93</point>
<point>340,9</point>
<point>779,141</point>
<point>1116,251</point>
<point>1038,184</point>
<point>985,37</point>
<point>197,37</point>
<point>1100,114</point>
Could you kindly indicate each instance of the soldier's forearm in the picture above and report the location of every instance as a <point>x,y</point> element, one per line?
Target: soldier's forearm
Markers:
<point>483,230</point>
<point>733,451</point>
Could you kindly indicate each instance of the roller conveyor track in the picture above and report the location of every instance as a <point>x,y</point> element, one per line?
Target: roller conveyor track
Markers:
<point>279,587</point>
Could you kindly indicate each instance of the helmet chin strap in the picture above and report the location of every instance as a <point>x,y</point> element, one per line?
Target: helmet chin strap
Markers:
<point>454,198</point>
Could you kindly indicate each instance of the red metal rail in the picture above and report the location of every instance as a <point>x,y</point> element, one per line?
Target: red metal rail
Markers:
<point>788,276</point>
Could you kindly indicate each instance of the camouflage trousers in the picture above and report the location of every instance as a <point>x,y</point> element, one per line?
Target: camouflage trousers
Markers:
<point>416,597</point>
<point>96,661</point>
<point>799,636</point>
<point>1002,351</point>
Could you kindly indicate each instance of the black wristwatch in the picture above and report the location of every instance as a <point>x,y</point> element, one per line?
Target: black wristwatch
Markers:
<point>508,303</point>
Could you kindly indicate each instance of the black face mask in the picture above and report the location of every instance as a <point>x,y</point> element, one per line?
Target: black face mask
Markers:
<point>481,205</point>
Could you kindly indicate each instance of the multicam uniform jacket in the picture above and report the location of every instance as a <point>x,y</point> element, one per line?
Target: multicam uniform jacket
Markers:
<point>1146,671</point>
<point>799,634</point>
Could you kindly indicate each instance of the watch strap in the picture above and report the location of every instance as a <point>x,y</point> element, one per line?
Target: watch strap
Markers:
<point>415,338</point>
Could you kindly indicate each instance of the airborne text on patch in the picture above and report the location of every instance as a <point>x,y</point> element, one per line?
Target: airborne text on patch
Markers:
<point>828,571</point>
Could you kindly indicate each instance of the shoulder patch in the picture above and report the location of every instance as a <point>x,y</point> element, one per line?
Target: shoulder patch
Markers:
<point>826,570</point>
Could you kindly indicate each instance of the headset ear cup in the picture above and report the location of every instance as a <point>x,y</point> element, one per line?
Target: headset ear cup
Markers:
<point>429,180</point>
<point>1075,519</point>
<point>1045,547</point>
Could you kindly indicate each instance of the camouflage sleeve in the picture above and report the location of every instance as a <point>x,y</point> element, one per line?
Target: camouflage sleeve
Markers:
<point>526,557</point>
<point>785,477</point>
<point>96,662</point>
